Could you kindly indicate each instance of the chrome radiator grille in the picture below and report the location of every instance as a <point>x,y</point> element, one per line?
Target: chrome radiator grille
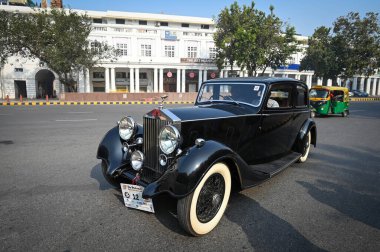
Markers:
<point>152,169</point>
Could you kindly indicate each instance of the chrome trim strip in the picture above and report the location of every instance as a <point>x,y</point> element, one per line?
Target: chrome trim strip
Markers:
<point>170,114</point>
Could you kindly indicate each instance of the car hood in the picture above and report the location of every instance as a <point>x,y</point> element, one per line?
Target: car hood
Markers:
<point>212,111</point>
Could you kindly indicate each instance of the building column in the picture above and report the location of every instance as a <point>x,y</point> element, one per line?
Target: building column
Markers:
<point>368,86</point>
<point>178,80</point>
<point>81,82</point>
<point>298,77</point>
<point>245,73</point>
<point>329,82</point>
<point>378,86</point>
<point>200,78</point>
<point>183,88</point>
<point>225,73</point>
<point>339,81</point>
<point>204,75</point>
<point>355,84</point>
<point>320,81</point>
<point>107,79</point>
<point>31,91</point>
<point>137,76</point>
<point>241,73</point>
<point>308,80</point>
<point>361,86</point>
<point>221,74</point>
<point>374,86</point>
<point>155,80</point>
<point>131,80</point>
<point>161,83</point>
<point>113,80</point>
<point>87,81</point>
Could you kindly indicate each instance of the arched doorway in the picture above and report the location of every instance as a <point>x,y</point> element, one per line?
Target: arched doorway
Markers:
<point>44,84</point>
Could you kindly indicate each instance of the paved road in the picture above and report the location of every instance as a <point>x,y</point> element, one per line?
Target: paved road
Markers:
<point>54,198</point>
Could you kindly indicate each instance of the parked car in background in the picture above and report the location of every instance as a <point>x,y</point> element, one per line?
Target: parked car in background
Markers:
<point>239,133</point>
<point>358,93</point>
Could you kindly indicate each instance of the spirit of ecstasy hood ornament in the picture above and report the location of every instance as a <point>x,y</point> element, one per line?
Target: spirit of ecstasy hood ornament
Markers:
<point>163,97</point>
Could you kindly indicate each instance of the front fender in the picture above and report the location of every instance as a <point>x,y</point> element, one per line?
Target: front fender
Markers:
<point>184,174</point>
<point>308,126</point>
<point>111,151</point>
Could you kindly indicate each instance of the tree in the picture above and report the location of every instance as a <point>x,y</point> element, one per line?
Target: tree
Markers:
<point>252,40</point>
<point>351,47</point>
<point>360,41</point>
<point>322,55</point>
<point>58,38</point>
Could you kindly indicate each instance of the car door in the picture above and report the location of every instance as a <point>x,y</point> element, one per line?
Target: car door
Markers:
<point>276,136</point>
<point>301,110</point>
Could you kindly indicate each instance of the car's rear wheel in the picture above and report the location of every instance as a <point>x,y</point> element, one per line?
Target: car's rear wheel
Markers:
<point>306,149</point>
<point>201,211</point>
<point>113,181</point>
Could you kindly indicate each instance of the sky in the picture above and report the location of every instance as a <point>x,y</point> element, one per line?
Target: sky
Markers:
<point>304,15</point>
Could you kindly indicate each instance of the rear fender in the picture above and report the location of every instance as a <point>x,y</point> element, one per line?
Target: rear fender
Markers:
<point>308,126</point>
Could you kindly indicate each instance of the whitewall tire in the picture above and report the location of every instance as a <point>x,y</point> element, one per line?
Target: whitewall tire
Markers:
<point>306,149</point>
<point>201,211</point>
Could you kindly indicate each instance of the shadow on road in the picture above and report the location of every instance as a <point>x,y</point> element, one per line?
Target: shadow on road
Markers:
<point>96,173</point>
<point>265,231</point>
<point>361,207</point>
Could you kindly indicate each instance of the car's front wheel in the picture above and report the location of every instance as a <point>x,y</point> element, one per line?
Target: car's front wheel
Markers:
<point>201,211</point>
<point>306,149</point>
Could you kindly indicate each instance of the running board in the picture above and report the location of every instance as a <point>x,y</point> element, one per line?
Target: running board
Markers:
<point>268,170</point>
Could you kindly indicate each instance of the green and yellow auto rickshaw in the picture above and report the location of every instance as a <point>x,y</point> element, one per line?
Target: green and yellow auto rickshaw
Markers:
<point>326,100</point>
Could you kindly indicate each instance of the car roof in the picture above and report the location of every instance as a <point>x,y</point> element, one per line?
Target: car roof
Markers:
<point>264,80</point>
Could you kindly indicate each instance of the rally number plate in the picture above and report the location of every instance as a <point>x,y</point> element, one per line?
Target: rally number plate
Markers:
<point>132,195</point>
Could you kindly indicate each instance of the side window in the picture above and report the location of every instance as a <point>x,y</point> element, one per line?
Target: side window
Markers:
<point>301,99</point>
<point>279,96</point>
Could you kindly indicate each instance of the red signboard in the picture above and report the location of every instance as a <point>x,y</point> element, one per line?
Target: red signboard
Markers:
<point>169,74</point>
<point>191,74</point>
<point>213,75</point>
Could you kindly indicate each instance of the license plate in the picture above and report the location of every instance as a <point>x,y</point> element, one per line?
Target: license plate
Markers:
<point>132,195</point>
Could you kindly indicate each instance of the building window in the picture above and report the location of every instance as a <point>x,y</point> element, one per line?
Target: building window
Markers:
<point>212,52</point>
<point>205,26</point>
<point>120,21</point>
<point>143,22</point>
<point>192,51</point>
<point>97,21</point>
<point>95,45</point>
<point>185,25</point>
<point>122,49</point>
<point>19,70</point>
<point>98,75</point>
<point>121,75</point>
<point>169,51</point>
<point>146,50</point>
<point>164,24</point>
<point>143,76</point>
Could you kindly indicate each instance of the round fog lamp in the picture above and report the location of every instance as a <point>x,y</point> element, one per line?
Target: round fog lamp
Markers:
<point>137,160</point>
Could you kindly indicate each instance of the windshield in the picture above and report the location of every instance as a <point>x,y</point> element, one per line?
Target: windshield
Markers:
<point>247,93</point>
<point>318,93</point>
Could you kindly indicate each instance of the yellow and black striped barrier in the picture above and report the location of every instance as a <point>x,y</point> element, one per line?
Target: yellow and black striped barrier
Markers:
<point>68,103</point>
<point>364,99</point>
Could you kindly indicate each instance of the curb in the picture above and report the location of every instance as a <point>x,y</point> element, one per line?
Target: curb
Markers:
<point>86,103</point>
<point>365,99</point>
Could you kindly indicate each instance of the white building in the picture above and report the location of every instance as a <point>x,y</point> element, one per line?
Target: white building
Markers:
<point>159,53</point>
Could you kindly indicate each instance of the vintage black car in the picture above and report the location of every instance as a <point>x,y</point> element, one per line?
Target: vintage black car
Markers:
<point>240,132</point>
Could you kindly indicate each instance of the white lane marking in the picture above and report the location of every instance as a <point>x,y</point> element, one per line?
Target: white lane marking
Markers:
<point>5,114</point>
<point>80,112</point>
<point>80,120</point>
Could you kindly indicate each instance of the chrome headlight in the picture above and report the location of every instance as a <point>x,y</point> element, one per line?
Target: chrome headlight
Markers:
<point>137,160</point>
<point>169,139</point>
<point>127,128</point>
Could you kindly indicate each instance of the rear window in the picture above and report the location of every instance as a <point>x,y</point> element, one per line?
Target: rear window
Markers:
<point>301,100</point>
